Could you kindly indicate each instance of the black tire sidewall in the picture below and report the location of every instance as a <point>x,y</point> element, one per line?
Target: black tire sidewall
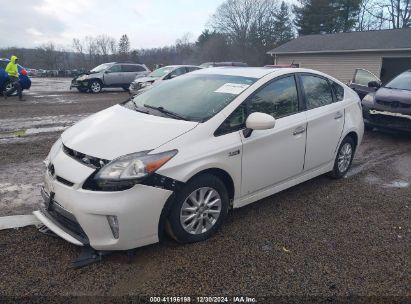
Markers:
<point>91,83</point>
<point>336,172</point>
<point>206,180</point>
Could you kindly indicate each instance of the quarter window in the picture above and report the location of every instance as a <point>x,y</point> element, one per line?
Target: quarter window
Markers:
<point>278,99</point>
<point>317,91</point>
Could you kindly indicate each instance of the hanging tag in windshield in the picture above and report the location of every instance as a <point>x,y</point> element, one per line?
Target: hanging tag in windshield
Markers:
<point>232,88</point>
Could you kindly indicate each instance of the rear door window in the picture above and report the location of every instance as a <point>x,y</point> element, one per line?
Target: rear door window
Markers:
<point>317,91</point>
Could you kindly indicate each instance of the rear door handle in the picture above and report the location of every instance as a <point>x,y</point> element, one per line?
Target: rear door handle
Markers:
<point>299,130</point>
<point>338,115</point>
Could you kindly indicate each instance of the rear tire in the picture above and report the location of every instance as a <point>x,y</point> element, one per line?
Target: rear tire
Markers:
<point>95,86</point>
<point>198,210</point>
<point>343,160</point>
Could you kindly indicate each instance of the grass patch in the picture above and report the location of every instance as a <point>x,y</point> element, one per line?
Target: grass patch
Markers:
<point>20,133</point>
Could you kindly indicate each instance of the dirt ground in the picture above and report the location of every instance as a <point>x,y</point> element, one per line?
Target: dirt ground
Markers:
<point>324,238</point>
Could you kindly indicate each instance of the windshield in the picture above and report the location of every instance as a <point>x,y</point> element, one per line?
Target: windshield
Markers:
<point>160,72</point>
<point>193,97</point>
<point>101,68</point>
<point>401,82</point>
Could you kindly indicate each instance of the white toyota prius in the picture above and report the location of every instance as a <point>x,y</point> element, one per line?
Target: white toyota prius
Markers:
<point>177,157</point>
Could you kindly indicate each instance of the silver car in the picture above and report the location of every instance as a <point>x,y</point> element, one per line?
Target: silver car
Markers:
<point>109,75</point>
<point>159,75</point>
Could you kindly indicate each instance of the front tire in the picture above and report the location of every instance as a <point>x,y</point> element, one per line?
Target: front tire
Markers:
<point>95,86</point>
<point>343,160</point>
<point>198,210</point>
<point>8,87</point>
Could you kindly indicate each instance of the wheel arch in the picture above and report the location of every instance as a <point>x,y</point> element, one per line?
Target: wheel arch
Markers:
<point>354,137</point>
<point>223,175</point>
<point>98,79</point>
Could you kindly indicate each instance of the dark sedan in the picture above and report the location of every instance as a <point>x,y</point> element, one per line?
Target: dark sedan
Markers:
<point>390,106</point>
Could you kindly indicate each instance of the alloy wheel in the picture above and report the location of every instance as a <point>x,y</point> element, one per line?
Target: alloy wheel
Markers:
<point>344,157</point>
<point>95,87</point>
<point>200,210</point>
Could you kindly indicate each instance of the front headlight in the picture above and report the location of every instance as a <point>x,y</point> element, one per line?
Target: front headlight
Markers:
<point>145,84</point>
<point>368,98</point>
<point>132,167</point>
<point>81,78</point>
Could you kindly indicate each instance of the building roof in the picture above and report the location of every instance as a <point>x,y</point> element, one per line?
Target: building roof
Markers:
<point>384,40</point>
<point>236,71</point>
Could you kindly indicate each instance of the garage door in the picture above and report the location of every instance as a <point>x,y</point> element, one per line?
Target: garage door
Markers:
<point>391,67</point>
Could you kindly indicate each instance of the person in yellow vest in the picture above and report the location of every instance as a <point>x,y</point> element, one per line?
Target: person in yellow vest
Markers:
<point>13,72</point>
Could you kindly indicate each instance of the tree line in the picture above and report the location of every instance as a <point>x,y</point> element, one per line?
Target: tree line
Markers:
<point>239,30</point>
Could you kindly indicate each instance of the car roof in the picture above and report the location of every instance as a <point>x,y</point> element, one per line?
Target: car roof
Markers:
<point>180,66</point>
<point>256,72</point>
<point>238,71</point>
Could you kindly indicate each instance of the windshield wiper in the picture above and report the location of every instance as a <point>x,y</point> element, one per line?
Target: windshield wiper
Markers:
<point>167,112</point>
<point>137,108</point>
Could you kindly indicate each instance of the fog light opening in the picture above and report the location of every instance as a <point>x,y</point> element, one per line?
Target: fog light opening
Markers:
<point>113,222</point>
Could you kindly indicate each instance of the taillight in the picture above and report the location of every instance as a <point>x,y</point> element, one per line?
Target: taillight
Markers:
<point>23,72</point>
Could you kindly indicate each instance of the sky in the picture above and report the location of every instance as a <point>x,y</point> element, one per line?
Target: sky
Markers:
<point>148,23</point>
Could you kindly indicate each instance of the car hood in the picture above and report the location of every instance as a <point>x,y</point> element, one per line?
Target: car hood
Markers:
<point>118,131</point>
<point>146,79</point>
<point>395,95</point>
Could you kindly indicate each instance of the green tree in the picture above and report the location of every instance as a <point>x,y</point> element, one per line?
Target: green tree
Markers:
<point>124,47</point>
<point>283,26</point>
<point>326,16</point>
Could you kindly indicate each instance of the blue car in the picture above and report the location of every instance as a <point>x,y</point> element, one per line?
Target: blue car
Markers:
<point>5,83</point>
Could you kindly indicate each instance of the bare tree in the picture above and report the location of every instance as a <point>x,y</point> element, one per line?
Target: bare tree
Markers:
<point>399,12</point>
<point>249,26</point>
<point>381,14</point>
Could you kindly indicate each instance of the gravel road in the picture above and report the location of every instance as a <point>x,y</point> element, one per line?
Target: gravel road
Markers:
<point>327,238</point>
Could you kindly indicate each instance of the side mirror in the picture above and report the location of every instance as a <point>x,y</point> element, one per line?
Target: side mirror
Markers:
<point>374,84</point>
<point>260,121</point>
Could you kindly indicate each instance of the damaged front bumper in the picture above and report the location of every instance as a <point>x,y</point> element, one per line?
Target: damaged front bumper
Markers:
<point>82,217</point>
<point>386,119</point>
<point>60,221</point>
<point>79,84</point>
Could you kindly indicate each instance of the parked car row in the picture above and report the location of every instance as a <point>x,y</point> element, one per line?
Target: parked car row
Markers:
<point>109,75</point>
<point>53,73</point>
<point>134,77</point>
<point>156,77</point>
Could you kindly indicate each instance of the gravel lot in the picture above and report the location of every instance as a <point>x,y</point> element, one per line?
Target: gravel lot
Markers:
<point>326,238</point>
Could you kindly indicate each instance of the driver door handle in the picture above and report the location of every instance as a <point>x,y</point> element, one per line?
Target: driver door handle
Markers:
<point>299,130</point>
